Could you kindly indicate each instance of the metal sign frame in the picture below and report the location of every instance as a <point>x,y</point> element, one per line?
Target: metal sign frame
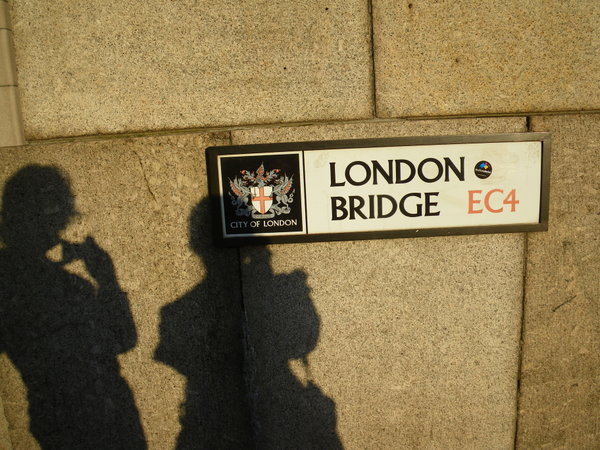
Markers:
<point>218,201</point>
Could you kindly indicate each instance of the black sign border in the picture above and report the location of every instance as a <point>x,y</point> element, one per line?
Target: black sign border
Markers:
<point>212,154</point>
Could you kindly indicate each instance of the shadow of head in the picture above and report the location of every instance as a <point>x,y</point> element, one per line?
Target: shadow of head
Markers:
<point>37,204</point>
<point>283,300</point>
<point>290,320</point>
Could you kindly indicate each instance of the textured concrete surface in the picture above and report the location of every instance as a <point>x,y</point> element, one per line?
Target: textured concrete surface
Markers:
<point>137,198</point>
<point>11,130</point>
<point>464,57</point>
<point>8,71</point>
<point>4,15</point>
<point>5,442</point>
<point>102,67</point>
<point>406,343</point>
<point>560,380</point>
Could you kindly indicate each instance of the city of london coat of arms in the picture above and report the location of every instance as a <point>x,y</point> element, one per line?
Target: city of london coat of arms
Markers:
<point>261,194</point>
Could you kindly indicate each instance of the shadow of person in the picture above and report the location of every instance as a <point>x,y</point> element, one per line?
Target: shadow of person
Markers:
<point>201,338</point>
<point>290,410</point>
<point>60,331</point>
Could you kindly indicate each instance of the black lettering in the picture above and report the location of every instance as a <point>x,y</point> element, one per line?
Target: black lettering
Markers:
<point>332,175</point>
<point>439,167</point>
<point>411,167</point>
<point>354,208</point>
<point>419,206</point>
<point>365,166</point>
<point>338,204</point>
<point>371,207</point>
<point>380,214</point>
<point>429,204</point>
<point>460,174</point>
<point>378,169</point>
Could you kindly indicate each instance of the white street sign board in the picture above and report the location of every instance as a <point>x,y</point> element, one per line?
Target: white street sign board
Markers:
<point>315,191</point>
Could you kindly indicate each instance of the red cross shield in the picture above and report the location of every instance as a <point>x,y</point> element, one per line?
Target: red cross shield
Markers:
<point>262,198</point>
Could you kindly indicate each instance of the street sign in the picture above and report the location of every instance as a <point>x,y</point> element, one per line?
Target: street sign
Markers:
<point>379,188</point>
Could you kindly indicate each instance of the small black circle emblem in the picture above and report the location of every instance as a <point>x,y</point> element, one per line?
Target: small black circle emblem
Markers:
<point>483,169</point>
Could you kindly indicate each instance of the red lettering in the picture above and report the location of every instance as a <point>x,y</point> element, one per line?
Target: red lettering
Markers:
<point>511,199</point>
<point>486,201</point>
<point>473,202</point>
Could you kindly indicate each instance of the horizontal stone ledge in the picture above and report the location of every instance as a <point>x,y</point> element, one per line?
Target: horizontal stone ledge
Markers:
<point>241,127</point>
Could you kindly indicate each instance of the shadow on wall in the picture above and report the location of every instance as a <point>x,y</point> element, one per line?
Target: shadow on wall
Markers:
<point>201,338</point>
<point>62,333</point>
<point>290,410</point>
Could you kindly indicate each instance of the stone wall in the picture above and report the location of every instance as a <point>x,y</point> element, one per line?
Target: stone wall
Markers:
<point>560,374</point>
<point>484,341</point>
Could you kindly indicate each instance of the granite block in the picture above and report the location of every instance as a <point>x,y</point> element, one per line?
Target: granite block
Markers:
<point>463,57</point>
<point>14,397</point>
<point>11,128</point>
<point>8,71</point>
<point>4,15</point>
<point>401,343</point>
<point>166,356</point>
<point>4,435</point>
<point>559,404</point>
<point>105,67</point>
